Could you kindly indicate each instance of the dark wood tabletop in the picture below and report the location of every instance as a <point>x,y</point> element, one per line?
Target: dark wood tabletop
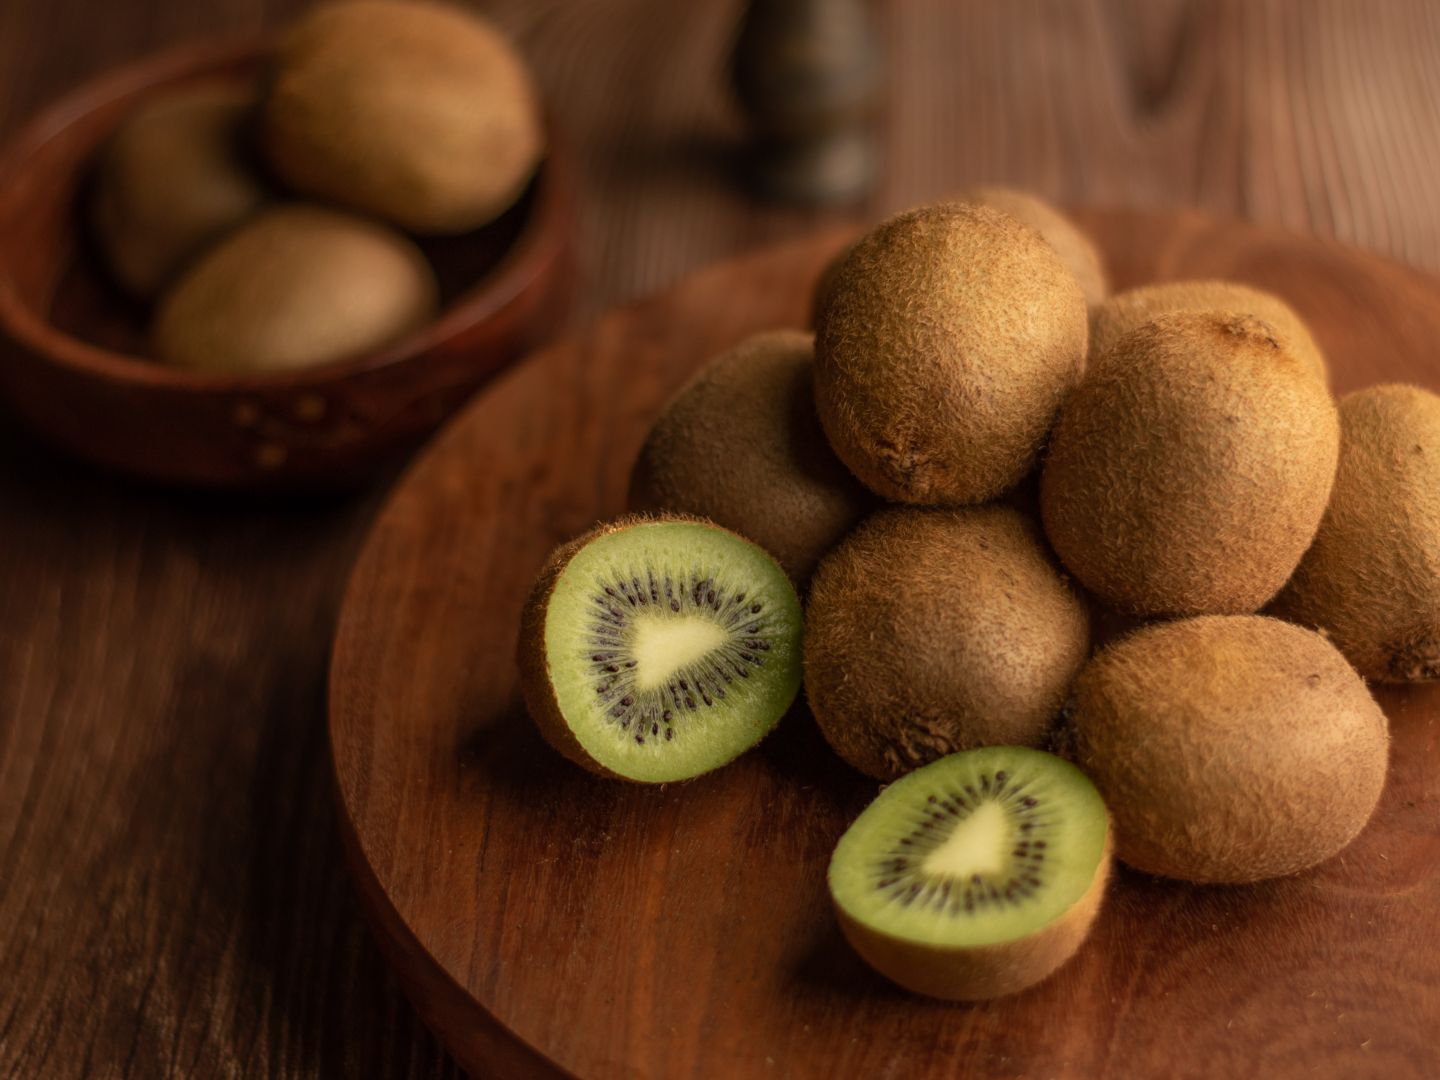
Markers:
<point>172,897</point>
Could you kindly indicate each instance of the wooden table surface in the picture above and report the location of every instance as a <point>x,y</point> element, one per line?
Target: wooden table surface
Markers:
<point>172,900</point>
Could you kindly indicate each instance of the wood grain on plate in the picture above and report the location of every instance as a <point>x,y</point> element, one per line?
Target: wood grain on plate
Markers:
<point>545,920</point>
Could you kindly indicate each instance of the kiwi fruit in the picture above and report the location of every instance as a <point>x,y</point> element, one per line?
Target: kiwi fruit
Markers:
<point>741,445</point>
<point>1371,579</point>
<point>929,631</point>
<point>976,876</point>
<point>1229,748</point>
<point>1128,310</point>
<point>944,345</point>
<point>1189,470</point>
<point>657,649</point>
<point>1076,250</point>
<point>172,179</point>
<point>419,113</point>
<point>295,286</point>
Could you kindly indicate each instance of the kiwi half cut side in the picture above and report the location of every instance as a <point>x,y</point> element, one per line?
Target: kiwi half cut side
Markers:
<point>975,876</point>
<point>657,649</point>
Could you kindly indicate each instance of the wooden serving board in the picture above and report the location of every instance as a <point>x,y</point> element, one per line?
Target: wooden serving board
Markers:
<point>546,922</point>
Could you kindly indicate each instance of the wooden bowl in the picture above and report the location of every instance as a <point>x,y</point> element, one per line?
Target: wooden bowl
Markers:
<point>72,362</point>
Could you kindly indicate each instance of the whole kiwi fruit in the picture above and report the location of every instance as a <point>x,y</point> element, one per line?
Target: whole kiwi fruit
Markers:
<point>1125,311</point>
<point>1076,250</point>
<point>295,286</point>
<point>1371,579</point>
<point>929,631</point>
<point>741,445</point>
<point>173,178</point>
<point>1229,748</point>
<point>945,343</point>
<point>419,113</point>
<point>1189,470</point>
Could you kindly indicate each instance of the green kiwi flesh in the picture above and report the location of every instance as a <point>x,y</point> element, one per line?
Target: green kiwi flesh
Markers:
<point>1229,748</point>
<point>1371,579</point>
<point>659,649</point>
<point>975,876</point>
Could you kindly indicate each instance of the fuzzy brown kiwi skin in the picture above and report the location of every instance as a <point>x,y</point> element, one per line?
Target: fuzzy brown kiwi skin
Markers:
<point>1228,749</point>
<point>741,445</point>
<point>1126,311</point>
<point>172,180</point>
<point>1371,579</point>
<point>296,285</point>
<point>530,658</point>
<point>421,114</point>
<point>1076,250</point>
<point>1190,469</point>
<point>929,631</point>
<point>946,341</point>
<point>982,972</point>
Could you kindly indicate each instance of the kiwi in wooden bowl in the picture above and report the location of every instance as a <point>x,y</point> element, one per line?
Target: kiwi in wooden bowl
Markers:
<point>81,370</point>
<point>418,113</point>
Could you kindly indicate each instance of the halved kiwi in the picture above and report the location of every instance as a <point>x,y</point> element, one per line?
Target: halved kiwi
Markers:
<point>657,649</point>
<point>975,876</point>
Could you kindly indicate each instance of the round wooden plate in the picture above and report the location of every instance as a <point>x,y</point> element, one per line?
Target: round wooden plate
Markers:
<point>545,921</point>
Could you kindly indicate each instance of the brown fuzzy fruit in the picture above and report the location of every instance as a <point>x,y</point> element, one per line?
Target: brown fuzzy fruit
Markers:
<point>1190,469</point>
<point>931,631</point>
<point>944,346</point>
<point>294,287</point>
<point>741,445</point>
<point>420,113</point>
<point>1371,580</point>
<point>1076,250</point>
<point>172,180</point>
<point>1133,308</point>
<point>1229,748</point>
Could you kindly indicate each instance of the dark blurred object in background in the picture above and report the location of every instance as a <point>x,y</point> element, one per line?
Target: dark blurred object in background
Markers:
<point>808,74</point>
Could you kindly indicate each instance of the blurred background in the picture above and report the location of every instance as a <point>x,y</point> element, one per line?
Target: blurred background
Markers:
<point>172,899</point>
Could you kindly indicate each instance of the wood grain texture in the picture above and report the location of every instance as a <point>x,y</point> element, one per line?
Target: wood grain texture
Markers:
<point>172,897</point>
<point>619,930</point>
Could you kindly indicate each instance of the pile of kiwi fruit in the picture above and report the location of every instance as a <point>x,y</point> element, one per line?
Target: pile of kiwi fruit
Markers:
<point>1085,577</point>
<point>271,224</point>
